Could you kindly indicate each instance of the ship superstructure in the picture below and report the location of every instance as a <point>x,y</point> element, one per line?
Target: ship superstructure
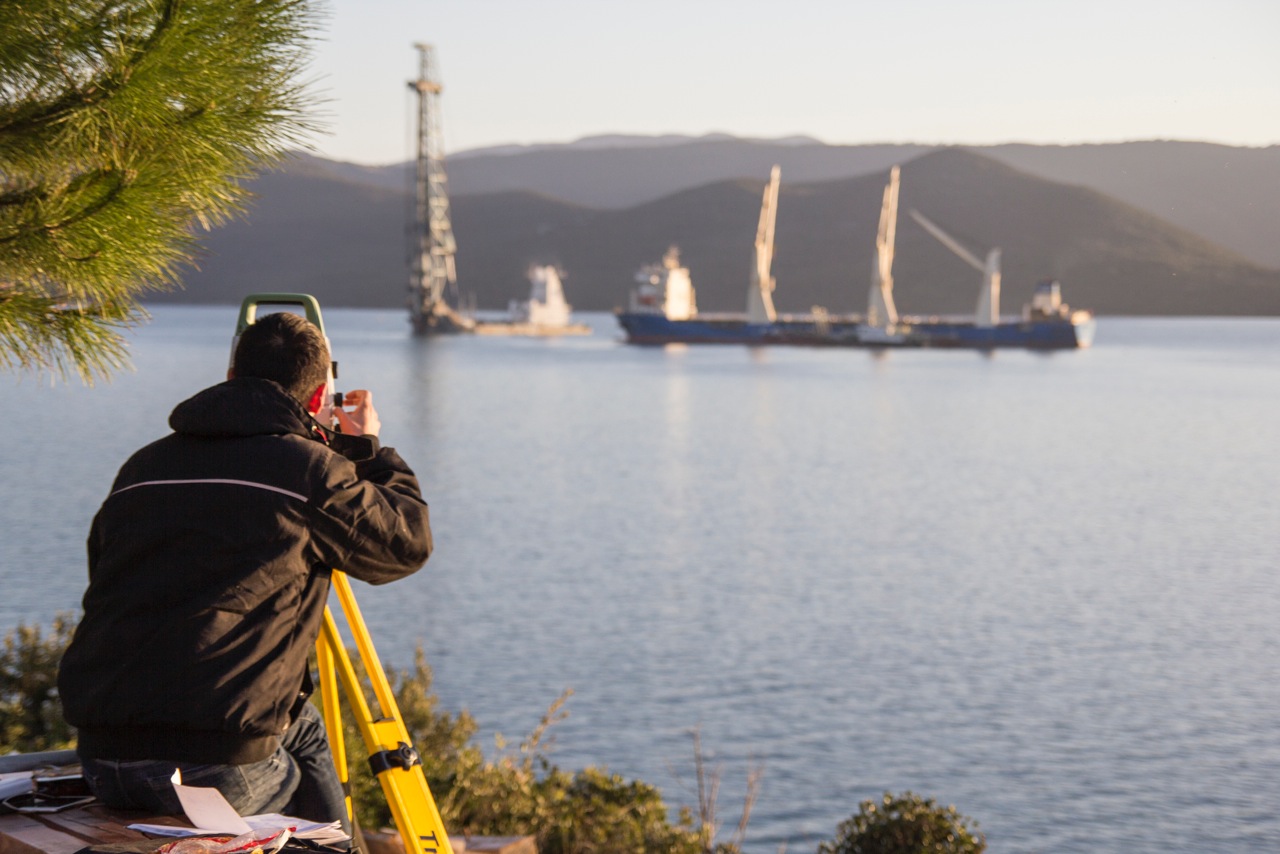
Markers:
<point>665,289</point>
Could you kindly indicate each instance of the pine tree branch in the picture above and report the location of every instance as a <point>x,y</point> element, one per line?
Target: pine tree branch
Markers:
<point>89,94</point>
<point>116,182</point>
<point>123,126</point>
<point>43,335</point>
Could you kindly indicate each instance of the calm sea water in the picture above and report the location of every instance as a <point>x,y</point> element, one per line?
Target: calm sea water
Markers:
<point>1041,588</point>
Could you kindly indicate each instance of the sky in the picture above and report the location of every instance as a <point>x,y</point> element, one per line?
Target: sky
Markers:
<point>845,72</point>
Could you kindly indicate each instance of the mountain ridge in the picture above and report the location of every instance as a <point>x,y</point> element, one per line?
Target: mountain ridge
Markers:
<point>316,230</point>
<point>1230,194</point>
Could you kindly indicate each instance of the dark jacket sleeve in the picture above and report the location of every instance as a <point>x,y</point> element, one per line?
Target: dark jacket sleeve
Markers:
<point>373,521</point>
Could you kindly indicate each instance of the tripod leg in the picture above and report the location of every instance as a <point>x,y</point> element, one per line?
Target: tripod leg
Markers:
<point>329,701</point>
<point>393,759</point>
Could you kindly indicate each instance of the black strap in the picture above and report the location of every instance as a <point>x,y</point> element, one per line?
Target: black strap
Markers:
<point>403,757</point>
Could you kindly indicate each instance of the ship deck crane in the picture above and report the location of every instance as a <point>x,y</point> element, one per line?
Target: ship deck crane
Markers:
<point>760,290</point>
<point>882,314</point>
<point>988,311</point>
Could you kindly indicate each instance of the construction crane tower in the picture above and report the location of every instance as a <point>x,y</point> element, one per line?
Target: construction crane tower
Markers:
<point>433,277</point>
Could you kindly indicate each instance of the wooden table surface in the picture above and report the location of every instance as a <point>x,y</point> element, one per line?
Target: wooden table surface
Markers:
<point>70,830</point>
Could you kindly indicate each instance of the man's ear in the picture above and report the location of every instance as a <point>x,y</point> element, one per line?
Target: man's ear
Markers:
<point>317,399</point>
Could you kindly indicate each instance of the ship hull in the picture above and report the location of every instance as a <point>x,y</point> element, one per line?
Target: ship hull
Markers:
<point>1048,334</point>
<point>1066,333</point>
<point>657,329</point>
<point>650,328</point>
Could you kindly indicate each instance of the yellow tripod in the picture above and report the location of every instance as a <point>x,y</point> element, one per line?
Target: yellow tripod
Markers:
<point>394,761</point>
<point>391,756</point>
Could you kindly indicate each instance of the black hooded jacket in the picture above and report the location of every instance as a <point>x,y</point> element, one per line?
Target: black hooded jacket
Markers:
<point>209,568</point>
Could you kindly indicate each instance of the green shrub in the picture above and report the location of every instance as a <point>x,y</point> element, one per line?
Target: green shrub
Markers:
<point>517,793</point>
<point>442,740</point>
<point>521,793</point>
<point>30,712</point>
<point>905,824</point>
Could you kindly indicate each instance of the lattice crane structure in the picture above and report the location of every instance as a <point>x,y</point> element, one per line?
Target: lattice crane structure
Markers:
<point>433,276</point>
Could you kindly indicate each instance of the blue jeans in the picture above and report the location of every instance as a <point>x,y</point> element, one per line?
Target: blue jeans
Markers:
<point>299,779</point>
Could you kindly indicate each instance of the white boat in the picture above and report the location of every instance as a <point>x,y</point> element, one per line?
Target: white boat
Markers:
<point>545,312</point>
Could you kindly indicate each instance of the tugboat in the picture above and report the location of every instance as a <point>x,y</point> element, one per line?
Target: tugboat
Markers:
<point>544,313</point>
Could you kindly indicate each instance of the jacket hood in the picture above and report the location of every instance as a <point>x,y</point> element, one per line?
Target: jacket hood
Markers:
<point>239,407</point>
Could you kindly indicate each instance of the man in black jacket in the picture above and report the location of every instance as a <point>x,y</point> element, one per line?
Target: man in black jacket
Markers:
<point>209,569</point>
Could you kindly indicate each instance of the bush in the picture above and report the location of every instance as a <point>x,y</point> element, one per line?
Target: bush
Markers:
<point>520,793</point>
<point>905,824</point>
<point>442,740</point>
<point>30,711</point>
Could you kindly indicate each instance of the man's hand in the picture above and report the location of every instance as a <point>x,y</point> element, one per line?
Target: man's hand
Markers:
<point>361,421</point>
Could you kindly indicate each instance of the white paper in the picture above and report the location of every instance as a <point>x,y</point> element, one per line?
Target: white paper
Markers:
<point>316,831</point>
<point>208,809</point>
<point>269,823</point>
<point>164,830</point>
<point>15,783</point>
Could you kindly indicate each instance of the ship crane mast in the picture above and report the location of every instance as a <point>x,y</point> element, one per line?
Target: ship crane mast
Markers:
<point>882,314</point>
<point>433,275</point>
<point>760,289</point>
<point>988,311</point>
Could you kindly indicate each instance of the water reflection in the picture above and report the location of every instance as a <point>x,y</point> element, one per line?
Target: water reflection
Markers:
<point>876,571</point>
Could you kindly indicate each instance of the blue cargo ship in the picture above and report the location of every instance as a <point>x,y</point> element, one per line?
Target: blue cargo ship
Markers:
<point>663,307</point>
<point>1050,333</point>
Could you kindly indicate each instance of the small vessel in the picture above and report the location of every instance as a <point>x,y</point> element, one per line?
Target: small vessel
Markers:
<point>662,309</point>
<point>545,312</point>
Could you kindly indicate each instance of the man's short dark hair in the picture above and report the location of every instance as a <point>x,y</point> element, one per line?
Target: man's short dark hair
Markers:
<point>286,348</point>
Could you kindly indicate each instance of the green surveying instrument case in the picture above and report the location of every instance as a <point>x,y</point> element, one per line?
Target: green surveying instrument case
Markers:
<point>304,304</point>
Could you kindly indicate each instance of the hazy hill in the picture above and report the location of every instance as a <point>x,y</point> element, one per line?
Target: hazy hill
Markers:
<point>621,177</point>
<point>1227,194</point>
<point>1230,195</point>
<point>1108,255</point>
<point>343,240</point>
<point>619,172</point>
